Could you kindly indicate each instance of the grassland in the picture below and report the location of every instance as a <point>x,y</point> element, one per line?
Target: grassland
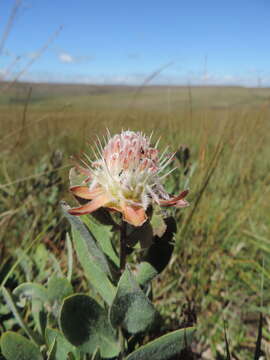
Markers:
<point>220,268</point>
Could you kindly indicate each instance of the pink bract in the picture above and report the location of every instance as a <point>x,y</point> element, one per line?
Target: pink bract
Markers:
<point>126,176</point>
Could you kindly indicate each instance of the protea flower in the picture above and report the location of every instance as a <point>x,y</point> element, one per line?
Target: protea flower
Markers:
<point>126,176</point>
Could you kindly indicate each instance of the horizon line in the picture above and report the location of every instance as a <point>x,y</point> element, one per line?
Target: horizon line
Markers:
<point>132,85</point>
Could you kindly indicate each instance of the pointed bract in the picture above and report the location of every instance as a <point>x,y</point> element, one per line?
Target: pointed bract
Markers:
<point>125,177</point>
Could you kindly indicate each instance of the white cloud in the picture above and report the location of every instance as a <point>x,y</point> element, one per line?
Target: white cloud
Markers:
<point>66,58</point>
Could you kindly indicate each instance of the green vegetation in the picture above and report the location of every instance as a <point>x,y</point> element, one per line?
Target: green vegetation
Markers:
<point>219,273</point>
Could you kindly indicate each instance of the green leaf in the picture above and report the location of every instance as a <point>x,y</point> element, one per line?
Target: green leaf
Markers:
<point>103,235</point>
<point>11,304</point>
<point>58,289</point>
<point>146,273</point>
<point>39,316</point>
<point>131,308</point>
<point>54,264</point>
<point>84,323</point>
<point>158,224</point>
<point>17,347</point>
<point>158,255</point>
<point>26,263</point>
<point>62,346</point>
<point>92,247</point>
<point>32,291</point>
<point>95,275</point>
<point>52,350</point>
<point>91,257</point>
<point>41,257</point>
<point>165,347</point>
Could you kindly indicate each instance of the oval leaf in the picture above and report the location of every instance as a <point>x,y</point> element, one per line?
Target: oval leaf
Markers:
<point>17,347</point>
<point>84,323</point>
<point>131,308</point>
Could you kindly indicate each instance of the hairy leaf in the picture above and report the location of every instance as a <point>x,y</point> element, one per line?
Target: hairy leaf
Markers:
<point>62,346</point>
<point>17,347</point>
<point>131,308</point>
<point>85,325</point>
<point>165,347</point>
<point>91,257</point>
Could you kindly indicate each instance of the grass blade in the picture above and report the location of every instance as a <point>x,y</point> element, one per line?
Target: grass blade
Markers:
<point>258,351</point>
<point>228,354</point>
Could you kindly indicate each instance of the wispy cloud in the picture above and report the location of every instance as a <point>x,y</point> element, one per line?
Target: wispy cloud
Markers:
<point>66,58</point>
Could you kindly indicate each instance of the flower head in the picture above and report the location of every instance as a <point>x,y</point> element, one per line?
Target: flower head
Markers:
<point>126,176</point>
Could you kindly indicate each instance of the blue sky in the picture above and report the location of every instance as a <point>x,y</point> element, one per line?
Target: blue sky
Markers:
<point>203,42</point>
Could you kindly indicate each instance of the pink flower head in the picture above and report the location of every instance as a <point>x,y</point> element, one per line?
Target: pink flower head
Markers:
<point>126,177</point>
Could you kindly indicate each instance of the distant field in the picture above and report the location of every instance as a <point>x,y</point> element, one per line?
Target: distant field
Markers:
<point>81,110</point>
<point>223,243</point>
<point>150,97</point>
